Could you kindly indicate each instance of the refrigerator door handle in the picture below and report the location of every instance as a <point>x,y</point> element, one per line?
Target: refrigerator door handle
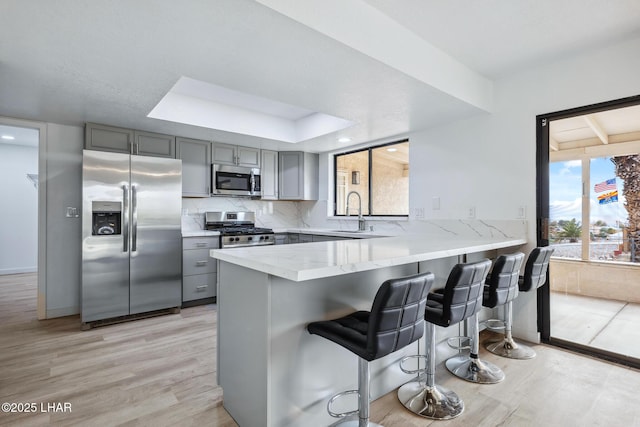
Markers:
<point>125,214</point>
<point>134,218</point>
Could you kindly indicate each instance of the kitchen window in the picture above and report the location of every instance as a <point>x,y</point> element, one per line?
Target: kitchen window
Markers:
<point>379,174</point>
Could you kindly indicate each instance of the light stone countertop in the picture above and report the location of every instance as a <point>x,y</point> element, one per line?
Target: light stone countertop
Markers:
<point>307,261</point>
<point>200,233</point>
<point>355,234</point>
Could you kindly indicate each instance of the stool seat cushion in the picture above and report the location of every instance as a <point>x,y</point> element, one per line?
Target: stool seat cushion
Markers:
<point>395,320</point>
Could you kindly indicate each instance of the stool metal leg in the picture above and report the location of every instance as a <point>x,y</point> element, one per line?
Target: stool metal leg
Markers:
<point>363,400</point>
<point>423,397</point>
<point>507,347</point>
<point>470,367</point>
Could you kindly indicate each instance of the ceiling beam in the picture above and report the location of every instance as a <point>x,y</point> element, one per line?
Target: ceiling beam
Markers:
<point>553,144</point>
<point>595,126</point>
<point>613,150</point>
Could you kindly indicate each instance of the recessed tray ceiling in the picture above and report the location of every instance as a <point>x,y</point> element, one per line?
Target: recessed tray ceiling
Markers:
<point>199,103</point>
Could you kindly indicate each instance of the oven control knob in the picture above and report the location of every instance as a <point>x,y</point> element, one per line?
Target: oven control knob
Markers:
<point>261,237</point>
<point>235,239</point>
<point>249,238</point>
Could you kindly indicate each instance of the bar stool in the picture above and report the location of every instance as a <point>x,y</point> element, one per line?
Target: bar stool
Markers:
<point>395,321</point>
<point>460,299</point>
<point>501,285</point>
<point>535,275</point>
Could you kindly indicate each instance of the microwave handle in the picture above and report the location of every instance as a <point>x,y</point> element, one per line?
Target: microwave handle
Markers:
<point>253,182</point>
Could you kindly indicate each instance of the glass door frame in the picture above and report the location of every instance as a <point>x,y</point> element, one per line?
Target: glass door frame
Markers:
<point>542,222</point>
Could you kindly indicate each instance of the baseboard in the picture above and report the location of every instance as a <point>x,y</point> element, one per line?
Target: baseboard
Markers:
<point>7,271</point>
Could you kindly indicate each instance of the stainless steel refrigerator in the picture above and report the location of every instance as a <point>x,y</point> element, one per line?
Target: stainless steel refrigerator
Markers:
<point>131,234</point>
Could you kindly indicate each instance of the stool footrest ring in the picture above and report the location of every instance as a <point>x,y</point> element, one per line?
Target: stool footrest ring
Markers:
<point>495,325</point>
<point>414,371</point>
<point>341,414</point>
<point>459,342</point>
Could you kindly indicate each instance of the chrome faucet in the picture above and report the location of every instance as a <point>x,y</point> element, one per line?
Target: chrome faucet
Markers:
<point>361,225</point>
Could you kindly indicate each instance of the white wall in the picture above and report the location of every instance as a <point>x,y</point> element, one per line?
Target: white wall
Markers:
<point>63,235</point>
<point>19,212</point>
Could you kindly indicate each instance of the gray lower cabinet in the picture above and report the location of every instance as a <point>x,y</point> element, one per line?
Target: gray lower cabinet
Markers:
<point>198,268</point>
<point>323,238</point>
<point>196,166</point>
<point>282,238</point>
<point>120,140</point>
<point>306,238</point>
<point>293,238</point>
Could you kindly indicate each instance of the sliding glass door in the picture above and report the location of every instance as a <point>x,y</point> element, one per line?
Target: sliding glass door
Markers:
<point>590,175</point>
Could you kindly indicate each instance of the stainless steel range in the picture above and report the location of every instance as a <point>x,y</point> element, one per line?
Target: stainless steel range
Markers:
<point>237,229</point>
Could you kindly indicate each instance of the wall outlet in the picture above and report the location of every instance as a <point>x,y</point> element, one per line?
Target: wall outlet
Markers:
<point>472,212</point>
<point>418,213</point>
<point>435,203</point>
<point>522,212</point>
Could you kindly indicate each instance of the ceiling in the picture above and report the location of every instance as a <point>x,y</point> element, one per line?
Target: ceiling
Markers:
<point>390,66</point>
<point>606,133</point>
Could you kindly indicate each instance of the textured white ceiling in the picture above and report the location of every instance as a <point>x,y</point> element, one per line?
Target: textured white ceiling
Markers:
<point>73,61</point>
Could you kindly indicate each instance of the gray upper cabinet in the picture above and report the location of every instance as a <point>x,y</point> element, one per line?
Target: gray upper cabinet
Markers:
<point>235,155</point>
<point>120,140</point>
<point>196,166</point>
<point>269,175</point>
<point>107,138</point>
<point>155,144</point>
<point>298,177</point>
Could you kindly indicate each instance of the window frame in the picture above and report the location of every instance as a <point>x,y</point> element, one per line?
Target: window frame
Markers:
<point>370,150</point>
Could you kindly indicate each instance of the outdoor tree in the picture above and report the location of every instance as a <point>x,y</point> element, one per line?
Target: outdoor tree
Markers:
<point>571,230</point>
<point>628,169</point>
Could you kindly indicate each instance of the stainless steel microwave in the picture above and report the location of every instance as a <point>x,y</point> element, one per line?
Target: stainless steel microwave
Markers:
<point>235,181</point>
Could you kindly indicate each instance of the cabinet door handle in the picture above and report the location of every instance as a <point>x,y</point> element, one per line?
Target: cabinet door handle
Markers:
<point>201,263</point>
<point>201,245</point>
<point>201,288</point>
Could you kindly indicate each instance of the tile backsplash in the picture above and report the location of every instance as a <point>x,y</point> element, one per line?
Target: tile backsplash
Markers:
<point>281,215</point>
<point>270,214</point>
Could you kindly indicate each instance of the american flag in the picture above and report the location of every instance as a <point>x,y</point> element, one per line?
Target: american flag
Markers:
<point>608,185</point>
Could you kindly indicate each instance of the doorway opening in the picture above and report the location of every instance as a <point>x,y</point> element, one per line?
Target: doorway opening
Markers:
<point>22,218</point>
<point>588,182</point>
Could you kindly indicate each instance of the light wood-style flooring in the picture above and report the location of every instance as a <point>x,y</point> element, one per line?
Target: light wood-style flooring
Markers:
<point>161,372</point>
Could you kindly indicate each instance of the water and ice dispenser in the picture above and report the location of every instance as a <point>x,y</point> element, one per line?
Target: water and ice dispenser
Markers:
<point>106,218</point>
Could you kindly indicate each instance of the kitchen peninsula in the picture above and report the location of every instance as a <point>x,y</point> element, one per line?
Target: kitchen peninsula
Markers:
<point>272,372</point>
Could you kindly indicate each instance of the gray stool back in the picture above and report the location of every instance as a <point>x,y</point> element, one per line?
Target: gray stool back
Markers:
<point>535,275</point>
<point>535,271</point>
<point>460,299</point>
<point>396,320</point>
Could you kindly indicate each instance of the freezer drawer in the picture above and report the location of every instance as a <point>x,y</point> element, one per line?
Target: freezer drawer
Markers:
<point>199,286</point>
<point>197,262</point>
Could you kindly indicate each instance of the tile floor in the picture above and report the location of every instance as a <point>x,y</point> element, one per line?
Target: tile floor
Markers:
<point>604,324</point>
